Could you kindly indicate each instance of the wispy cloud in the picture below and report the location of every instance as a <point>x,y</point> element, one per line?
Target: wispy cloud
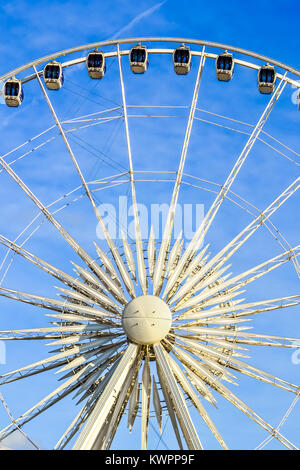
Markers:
<point>138,18</point>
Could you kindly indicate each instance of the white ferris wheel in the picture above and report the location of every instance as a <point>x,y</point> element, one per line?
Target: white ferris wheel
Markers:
<point>150,329</point>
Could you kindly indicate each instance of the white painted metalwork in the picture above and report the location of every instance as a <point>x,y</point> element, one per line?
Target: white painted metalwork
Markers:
<point>125,348</point>
<point>161,261</point>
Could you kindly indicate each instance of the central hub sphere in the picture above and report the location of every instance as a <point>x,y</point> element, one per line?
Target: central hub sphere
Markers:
<point>147,319</point>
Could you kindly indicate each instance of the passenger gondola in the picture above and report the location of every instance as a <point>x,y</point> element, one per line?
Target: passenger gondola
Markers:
<point>13,92</point>
<point>224,66</point>
<point>138,59</point>
<point>96,64</point>
<point>266,78</point>
<point>53,75</point>
<point>182,60</point>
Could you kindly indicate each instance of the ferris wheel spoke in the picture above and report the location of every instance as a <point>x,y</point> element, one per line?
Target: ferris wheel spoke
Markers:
<point>239,404</point>
<point>163,252</point>
<point>82,416</point>
<point>198,368</point>
<point>228,360</point>
<point>80,312</point>
<point>94,347</point>
<point>47,402</point>
<point>188,389</point>
<point>72,429</point>
<point>90,279</point>
<point>219,298</point>
<point>177,398</point>
<point>195,265</point>
<point>208,219</point>
<point>174,254</point>
<point>208,368</point>
<point>121,267</point>
<point>151,253</point>
<point>209,363</point>
<point>242,279</point>
<point>50,332</point>
<point>189,288</point>
<point>237,334</point>
<point>66,142</point>
<point>230,396</point>
<point>146,392</point>
<point>265,377</point>
<point>120,406</point>
<point>129,257</point>
<point>200,385</point>
<point>16,375</point>
<point>101,354</point>
<point>98,299</point>
<point>108,238</point>
<point>78,339</point>
<point>77,248</point>
<point>157,404</point>
<point>245,234</point>
<point>170,408</point>
<point>89,405</point>
<point>106,401</point>
<point>98,363</point>
<point>133,406</point>
<point>109,285</point>
<point>246,309</point>
<point>138,237</point>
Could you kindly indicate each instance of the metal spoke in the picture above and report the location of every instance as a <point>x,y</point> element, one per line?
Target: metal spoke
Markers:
<point>146,392</point>
<point>87,313</point>
<point>163,252</point>
<point>157,404</point>
<point>129,257</point>
<point>246,309</point>
<point>138,236</point>
<point>170,407</point>
<point>195,400</point>
<point>174,255</point>
<point>64,277</point>
<point>241,238</point>
<point>108,238</point>
<point>242,279</point>
<point>133,404</point>
<point>232,398</point>
<point>226,360</point>
<point>177,398</point>
<point>106,401</point>
<point>50,332</point>
<point>108,434</point>
<point>151,253</point>
<point>208,219</point>
<point>58,394</point>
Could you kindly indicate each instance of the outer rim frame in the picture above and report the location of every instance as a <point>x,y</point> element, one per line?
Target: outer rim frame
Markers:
<point>151,39</point>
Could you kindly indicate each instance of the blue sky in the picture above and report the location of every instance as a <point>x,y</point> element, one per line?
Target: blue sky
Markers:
<point>33,29</point>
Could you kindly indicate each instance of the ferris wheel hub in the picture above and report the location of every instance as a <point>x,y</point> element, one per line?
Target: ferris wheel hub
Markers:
<point>147,319</point>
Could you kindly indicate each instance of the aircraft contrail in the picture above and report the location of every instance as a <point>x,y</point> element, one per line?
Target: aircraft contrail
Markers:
<point>137,18</point>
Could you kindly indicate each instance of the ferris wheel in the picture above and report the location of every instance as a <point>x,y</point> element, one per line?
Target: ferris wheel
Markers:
<point>150,329</point>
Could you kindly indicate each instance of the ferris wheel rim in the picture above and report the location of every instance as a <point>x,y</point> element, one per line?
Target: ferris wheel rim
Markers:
<point>115,42</point>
